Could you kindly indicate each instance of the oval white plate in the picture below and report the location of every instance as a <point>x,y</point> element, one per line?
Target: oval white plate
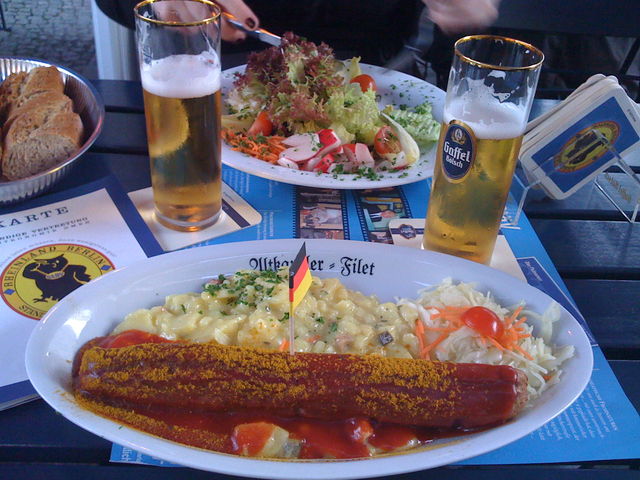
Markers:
<point>393,88</point>
<point>95,309</point>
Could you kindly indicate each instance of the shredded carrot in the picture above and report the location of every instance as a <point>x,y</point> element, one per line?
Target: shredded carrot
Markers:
<point>419,331</point>
<point>284,345</point>
<point>510,319</point>
<point>520,322</point>
<point>265,148</point>
<point>432,345</point>
<point>495,343</point>
<point>313,338</point>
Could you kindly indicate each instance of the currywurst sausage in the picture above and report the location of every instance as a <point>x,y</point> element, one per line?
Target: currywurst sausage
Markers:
<point>211,377</point>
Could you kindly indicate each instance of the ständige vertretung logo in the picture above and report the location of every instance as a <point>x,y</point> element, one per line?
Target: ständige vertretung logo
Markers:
<point>36,280</point>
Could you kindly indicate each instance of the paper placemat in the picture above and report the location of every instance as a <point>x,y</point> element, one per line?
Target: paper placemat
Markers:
<point>236,214</point>
<point>408,232</point>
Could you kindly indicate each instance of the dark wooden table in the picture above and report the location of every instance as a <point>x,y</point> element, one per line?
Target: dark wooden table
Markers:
<point>596,252</point>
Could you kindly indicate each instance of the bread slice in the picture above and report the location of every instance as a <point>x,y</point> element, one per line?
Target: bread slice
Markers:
<point>42,147</point>
<point>40,79</point>
<point>39,108</point>
<point>10,91</point>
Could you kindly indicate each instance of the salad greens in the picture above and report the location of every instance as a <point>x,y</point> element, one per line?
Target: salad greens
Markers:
<point>304,88</point>
<point>419,123</point>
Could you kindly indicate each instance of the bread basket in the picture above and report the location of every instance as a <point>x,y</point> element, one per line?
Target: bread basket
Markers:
<point>86,103</point>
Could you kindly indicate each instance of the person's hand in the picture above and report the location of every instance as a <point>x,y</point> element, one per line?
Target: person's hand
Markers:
<point>243,13</point>
<point>193,11</point>
<point>455,16</point>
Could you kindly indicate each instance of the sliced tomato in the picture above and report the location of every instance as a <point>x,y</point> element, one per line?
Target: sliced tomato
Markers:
<point>261,125</point>
<point>386,141</point>
<point>366,82</point>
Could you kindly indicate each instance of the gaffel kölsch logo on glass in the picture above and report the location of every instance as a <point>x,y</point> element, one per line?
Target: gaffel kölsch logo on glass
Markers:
<point>458,150</point>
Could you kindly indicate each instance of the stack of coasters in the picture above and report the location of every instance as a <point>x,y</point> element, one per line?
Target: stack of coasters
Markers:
<point>566,148</point>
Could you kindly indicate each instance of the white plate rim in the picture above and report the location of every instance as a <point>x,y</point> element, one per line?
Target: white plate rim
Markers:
<point>38,354</point>
<point>393,87</point>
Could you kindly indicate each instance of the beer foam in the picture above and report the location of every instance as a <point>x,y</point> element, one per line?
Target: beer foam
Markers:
<point>481,109</point>
<point>182,76</point>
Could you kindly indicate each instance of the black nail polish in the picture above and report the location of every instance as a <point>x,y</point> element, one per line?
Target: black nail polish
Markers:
<point>249,22</point>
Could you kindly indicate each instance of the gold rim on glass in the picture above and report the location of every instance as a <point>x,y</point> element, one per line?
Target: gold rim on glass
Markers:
<point>215,14</point>
<point>477,63</point>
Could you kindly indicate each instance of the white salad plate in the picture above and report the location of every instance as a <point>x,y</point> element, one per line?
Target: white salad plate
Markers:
<point>96,308</point>
<point>394,88</point>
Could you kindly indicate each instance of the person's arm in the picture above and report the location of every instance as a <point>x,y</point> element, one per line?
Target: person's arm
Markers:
<point>121,11</point>
<point>455,16</point>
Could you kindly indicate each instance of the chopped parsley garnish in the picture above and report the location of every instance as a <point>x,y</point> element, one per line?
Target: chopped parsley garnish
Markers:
<point>333,327</point>
<point>183,308</point>
<point>367,172</point>
<point>284,318</point>
<point>246,287</point>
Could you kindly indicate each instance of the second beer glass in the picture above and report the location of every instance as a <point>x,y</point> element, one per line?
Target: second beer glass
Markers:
<point>489,95</point>
<point>179,54</point>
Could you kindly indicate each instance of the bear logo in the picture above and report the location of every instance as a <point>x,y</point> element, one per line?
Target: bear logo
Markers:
<point>36,280</point>
<point>55,277</point>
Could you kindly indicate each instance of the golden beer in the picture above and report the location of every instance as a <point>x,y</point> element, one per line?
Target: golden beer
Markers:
<point>183,135</point>
<point>489,95</point>
<point>464,216</point>
<point>178,45</point>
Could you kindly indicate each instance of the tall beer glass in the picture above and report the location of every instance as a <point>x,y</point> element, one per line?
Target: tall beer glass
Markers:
<point>179,54</point>
<point>491,87</point>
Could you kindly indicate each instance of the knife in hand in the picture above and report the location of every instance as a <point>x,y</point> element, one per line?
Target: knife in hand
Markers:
<point>259,33</point>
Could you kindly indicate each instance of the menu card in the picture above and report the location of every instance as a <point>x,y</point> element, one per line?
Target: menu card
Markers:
<point>49,247</point>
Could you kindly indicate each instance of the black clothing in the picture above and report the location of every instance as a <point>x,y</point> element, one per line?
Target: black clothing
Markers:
<point>372,29</point>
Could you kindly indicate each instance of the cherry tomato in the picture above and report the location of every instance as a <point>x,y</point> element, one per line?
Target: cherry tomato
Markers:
<point>386,141</point>
<point>366,82</point>
<point>483,321</point>
<point>261,125</point>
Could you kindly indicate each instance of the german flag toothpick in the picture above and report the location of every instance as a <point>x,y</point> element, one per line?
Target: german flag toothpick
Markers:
<point>299,283</point>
